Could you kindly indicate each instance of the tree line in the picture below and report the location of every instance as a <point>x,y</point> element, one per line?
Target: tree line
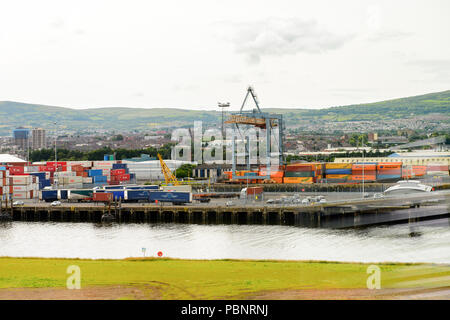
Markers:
<point>77,155</point>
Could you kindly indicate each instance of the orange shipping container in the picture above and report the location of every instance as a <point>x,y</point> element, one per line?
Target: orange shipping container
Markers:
<point>366,177</point>
<point>367,167</point>
<point>298,180</point>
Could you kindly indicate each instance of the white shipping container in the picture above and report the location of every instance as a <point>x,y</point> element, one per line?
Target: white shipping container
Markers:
<point>23,195</point>
<point>65,174</point>
<point>87,180</point>
<point>80,163</point>
<point>182,188</point>
<point>103,163</point>
<point>74,186</point>
<point>22,180</point>
<point>19,188</point>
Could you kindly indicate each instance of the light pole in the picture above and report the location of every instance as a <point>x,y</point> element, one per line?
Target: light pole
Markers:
<point>362,146</point>
<point>56,136</point>
<point>56,155</point>
<point>222,106</point>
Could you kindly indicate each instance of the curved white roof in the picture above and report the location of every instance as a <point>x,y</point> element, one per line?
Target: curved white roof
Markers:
<point>8,158</point>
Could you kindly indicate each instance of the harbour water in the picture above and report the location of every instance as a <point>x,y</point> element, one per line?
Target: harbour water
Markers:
<point>423,242</point>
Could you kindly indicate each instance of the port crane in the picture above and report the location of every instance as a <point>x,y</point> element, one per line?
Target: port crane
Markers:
<point>259,119</point>
<point>168,175</point>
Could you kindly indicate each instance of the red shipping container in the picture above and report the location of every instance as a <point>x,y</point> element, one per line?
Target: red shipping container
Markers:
<point>16,170</point>
<point>116,172</point>
<point>59,163</point>
<point>102,196</point>
<point>122,177</point>
<point>254,190</point>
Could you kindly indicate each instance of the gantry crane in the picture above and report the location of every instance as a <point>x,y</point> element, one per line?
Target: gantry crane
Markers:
<point>168,175</point>
<point>259,119</point>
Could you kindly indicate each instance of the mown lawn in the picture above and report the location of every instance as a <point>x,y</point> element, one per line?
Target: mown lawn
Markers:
<point>213,279</point>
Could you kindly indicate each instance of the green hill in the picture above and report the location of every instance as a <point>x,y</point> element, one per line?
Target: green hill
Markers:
<point>14,114</point>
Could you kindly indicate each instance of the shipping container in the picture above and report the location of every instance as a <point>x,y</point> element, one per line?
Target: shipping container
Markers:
<point>338,171</point>
<point>95,172</point>
<point>299,174</point>
<point>118,172</point>
<point>119,166</point>
<point>365,177</point>
<point>23,180</point>
<point>359,167</point>
<point>48,195</point>
<point>174,197</point>
<point>148,187</point>
<point>298,180</point>
<point>185,188</point>
<point>80,194</point>
<point>102,197</point>
<point>333,165</point>
<point>98,179</point>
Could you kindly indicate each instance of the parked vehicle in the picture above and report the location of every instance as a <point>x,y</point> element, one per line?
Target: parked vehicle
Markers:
<point>18,203</point>
<point>55,203</point>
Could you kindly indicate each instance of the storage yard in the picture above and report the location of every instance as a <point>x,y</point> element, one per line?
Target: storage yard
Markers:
<point>109,187</point>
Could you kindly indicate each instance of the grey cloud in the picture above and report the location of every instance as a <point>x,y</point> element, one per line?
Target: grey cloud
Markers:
<point>388,35</point>
<point>277,37</point>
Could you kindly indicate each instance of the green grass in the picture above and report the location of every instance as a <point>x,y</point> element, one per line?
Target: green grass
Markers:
<point>210,279</point>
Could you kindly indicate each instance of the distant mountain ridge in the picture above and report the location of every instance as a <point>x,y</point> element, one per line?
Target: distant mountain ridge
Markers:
<point>15,114</point>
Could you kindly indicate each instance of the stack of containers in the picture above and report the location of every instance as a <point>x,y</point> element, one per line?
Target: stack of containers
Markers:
<point>301,173</point>
<point>338,172</point>
<point>389,171</point>
<point>5,183</point>
<point>98,179</point>
<point>119,174</point>
<point>437,169</point>
<point>364,171</point>
<point>44,179</point>
<point>276,173</point>
<point>24,186</point>
<point>69,179</point>
<point>411,172</point>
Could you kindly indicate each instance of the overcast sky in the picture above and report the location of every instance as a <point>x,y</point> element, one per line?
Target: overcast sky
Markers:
<point>192,54</point>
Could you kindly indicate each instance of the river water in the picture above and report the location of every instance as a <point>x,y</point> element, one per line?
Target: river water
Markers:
<point>424,242</point>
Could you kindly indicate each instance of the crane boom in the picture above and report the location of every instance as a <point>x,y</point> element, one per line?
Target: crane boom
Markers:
<point>168,175</point>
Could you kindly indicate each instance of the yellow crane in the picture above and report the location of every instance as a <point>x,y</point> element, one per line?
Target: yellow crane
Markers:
<point>168,175</point>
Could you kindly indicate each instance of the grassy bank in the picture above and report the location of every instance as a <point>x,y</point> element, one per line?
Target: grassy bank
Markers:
<point>213,279</point>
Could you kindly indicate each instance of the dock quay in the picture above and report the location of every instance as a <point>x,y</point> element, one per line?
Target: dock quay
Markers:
<point>337,214</point>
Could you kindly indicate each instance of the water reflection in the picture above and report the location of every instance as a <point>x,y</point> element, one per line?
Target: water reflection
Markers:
<point>423,242</point>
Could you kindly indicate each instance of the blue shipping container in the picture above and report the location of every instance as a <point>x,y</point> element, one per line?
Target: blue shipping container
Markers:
<point>175,197</point>
<point>338,171</point>
<point>150,187</point>
<point>95,172</point>
<point>388,176</point>
<point>117,194</point>
<point>98,179</point>
<point>49,195</point>
<point>135,195</point>
<point>119,166</point>
<point>63,195</point>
